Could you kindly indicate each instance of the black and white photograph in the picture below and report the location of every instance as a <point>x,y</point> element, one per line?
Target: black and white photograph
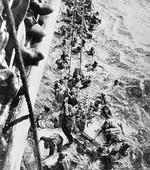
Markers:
<point>74,84</point>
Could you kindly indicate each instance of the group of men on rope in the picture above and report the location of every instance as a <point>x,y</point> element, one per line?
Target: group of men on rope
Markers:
<point>74,116</point>
<point>80,19</point>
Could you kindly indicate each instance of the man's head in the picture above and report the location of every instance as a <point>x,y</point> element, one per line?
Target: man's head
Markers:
<point>61,81</point>
<point>73,91</point>
<point>47,109</point>
<point>106,112</point>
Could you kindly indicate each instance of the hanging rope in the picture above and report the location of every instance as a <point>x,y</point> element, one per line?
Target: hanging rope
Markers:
<point>82,29</point>
<point>21,67</point>
<point>12,60</point>
<point>72,34</point>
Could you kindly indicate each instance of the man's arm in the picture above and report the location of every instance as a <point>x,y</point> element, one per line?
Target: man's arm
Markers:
<point>121,127</point>
<point>103,127</point>
<point>98,132</point>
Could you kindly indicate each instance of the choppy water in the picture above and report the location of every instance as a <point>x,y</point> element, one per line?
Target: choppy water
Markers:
<point>122,45</point>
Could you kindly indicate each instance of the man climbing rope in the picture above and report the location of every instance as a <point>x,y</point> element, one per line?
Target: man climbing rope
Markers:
<point>66,120</point>
<point>72,97</point>
<point>63,61</point>
<point>60,91</point>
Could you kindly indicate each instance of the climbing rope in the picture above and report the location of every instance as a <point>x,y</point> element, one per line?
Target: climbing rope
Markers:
<point>21,67</point>
<point>12,60</point>
<point>72,34</point>
<point>73,29</point>
<point>82,25</point>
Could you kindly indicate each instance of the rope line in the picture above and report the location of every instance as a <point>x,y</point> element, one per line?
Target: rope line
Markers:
<point>72,34</point>
<point>21,67</point>
<point>82,25</point>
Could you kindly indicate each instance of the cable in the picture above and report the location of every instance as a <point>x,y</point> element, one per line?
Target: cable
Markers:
<point>72,34</point>
<point>82,25</point>
<point>21,67</point>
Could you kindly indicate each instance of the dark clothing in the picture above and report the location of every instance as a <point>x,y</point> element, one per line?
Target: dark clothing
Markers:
<point>85,83</point>
<point>55,140</point>
<point>60,64</point>
<point>66,123</point>
<point>67,132</point>
<point>50,144</point>
<point>72,101</point>
<point>72,83</point>
<point>81,125</point>
<point>58,166</point>
<point>78,73</point>
<point>69,13</point>
<point>106,162</point>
